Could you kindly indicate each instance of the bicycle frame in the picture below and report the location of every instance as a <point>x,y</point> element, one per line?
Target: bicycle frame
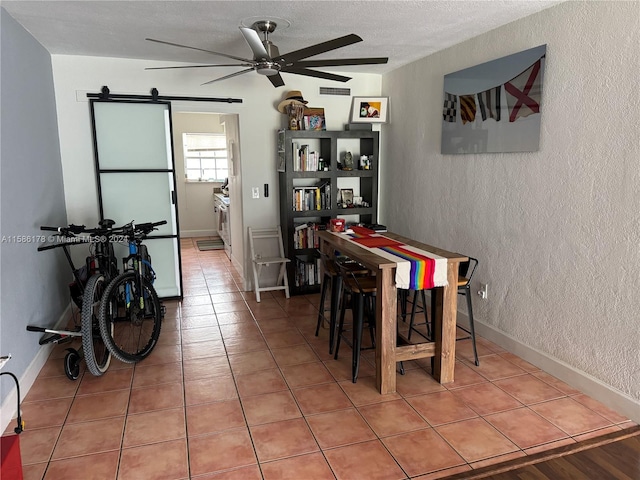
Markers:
<point>138,263</point>
<point>106,261</point>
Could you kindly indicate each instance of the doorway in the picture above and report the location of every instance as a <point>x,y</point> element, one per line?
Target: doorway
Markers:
<point>195,195</point>
<point>196,198</point>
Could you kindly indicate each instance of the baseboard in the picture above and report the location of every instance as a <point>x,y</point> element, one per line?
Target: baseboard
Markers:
<point>9,405</point>
<point>593,387</point>
<point>239,268</point>
<point>198,233</point>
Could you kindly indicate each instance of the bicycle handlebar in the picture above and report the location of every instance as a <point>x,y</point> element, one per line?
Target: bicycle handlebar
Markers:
<point>149,226</point>
<point>106,229</point>
<point>68,231</point>
<point>42,248</point>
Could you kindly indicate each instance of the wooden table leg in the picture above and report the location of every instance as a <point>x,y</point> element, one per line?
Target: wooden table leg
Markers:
<point>386,311</point>
<point>446,309</point>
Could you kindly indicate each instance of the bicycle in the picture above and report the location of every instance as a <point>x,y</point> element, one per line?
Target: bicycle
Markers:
<point>130,313</point>
<point>87,289</point>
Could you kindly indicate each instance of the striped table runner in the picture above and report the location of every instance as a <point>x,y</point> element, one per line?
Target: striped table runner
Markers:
<point>416,269</point>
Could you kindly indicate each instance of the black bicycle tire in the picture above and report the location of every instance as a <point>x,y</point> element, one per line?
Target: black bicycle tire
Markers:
<point>96,366</point>
<point>109,329</point>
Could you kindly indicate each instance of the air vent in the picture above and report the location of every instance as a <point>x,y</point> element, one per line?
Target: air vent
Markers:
<point>335,91</point>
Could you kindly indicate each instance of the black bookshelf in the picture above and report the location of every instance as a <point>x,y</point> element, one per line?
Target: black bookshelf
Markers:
<point>310,196</point>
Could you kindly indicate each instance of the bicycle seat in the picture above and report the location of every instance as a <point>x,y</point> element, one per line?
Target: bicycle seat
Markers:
<point>107,223</point>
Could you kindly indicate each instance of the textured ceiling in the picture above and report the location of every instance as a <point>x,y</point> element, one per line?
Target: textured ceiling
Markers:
<point>401,30</point>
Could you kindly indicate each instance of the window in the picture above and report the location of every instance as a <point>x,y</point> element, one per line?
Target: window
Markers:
<point>205,157</point>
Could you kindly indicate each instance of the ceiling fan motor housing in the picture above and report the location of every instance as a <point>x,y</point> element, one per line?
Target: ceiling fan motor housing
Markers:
<point>271,49</point>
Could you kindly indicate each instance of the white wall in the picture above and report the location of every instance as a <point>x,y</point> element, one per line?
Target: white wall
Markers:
<point>258,120</point>
<point>557,232</point>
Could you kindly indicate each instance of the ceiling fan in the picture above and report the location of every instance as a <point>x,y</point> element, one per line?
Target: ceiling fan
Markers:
<point>268,61</point>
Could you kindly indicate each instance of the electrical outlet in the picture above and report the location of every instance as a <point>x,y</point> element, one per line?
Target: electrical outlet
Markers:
<point>255,192</point>
<point>484,291</point>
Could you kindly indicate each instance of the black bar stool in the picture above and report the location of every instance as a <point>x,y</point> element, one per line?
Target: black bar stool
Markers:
<point>360,292</point>
<point>464,288</point>
<point>332,279</point>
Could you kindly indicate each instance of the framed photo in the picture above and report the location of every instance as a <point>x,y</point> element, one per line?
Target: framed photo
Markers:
<point>347,197</point>
<point>280,153</point>
<point>281,162</point>
<point>370,110</point>
<point>281,140</point>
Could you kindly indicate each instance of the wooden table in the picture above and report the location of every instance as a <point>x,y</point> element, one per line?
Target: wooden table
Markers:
<point>387,353</point>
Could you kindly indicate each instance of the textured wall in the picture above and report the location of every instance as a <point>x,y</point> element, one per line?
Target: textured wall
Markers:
<point>557,231</point>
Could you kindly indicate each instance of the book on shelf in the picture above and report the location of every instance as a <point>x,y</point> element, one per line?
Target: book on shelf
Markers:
<point>307,271</point>
<point>304,160</point>
<point>376,227</point>
<point>311,198</point>
<point>305,235</point>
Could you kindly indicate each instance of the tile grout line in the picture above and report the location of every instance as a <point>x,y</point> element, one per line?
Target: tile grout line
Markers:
<point>126,421</point>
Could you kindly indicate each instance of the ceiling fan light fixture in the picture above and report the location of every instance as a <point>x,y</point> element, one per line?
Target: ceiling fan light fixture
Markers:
<point>267,68</point>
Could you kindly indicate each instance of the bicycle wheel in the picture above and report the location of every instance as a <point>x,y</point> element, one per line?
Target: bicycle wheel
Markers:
<point>130,317</point>
<point>96,354</point>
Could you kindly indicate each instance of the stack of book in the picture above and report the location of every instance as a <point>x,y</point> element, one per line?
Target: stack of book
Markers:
<point>316,197</point>
<point>376,227</point>
<point>307,271</point>
<point>305,235</point>
<point>304,160</point>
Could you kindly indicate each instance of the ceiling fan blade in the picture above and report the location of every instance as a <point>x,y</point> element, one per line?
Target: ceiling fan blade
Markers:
<point>253,39</point>
<point>199,49</point>
<point>276,80</point>
<point>319,48</point>
<point>228,76</point>
<point>340,62</point>
<point>315,73</point>
<point>203,66</point>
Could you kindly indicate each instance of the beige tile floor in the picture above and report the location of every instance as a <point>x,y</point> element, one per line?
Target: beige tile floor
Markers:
<point>241,390</point>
